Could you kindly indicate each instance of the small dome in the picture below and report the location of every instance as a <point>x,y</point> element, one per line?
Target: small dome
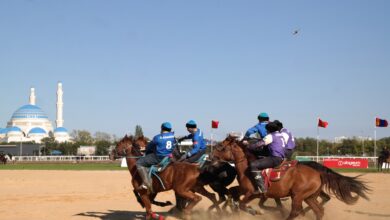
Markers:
<point>3,130</point>
<point>60,129</point>
<point>13,129</point>
<point>29,111</point>
<point>37,130</point>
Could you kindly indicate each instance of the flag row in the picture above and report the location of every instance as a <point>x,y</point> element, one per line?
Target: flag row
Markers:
<point>378,123</point>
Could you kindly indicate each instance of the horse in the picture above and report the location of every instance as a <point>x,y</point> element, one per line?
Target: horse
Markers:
<point>301,183</point>
<point>4,158</point>
<point>384,158</point>
<point>181,177</point>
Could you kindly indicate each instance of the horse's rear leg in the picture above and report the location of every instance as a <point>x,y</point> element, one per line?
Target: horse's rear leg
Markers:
<point>318,210</point>
<point>201,190</point>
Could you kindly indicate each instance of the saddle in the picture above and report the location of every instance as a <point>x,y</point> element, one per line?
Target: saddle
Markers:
<point>277,173</point>
<point>200,162</point>
<point>155,169</point>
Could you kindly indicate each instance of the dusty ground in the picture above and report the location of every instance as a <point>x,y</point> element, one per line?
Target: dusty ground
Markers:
<point>87,195</point>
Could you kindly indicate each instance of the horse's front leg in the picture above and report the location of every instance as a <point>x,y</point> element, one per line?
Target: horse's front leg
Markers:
<point>248,196</point>
<point>148,206</point>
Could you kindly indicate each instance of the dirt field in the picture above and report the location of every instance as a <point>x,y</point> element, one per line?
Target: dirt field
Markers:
<point>107,195</point>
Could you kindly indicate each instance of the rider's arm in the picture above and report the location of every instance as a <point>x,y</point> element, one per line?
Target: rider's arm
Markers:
<point>183,138</point>
<point>263,142</point>
<point>196,145</point>
<point>150,148</point>
<point>251,131</point>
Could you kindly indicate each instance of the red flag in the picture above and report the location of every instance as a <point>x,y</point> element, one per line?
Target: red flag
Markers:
<point>322,124</point>
<point>214,124</point>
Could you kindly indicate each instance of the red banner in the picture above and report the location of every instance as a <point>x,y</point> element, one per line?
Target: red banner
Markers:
<point>346,163</point>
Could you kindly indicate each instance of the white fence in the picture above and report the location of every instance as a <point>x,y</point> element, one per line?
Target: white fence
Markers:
<point>59,158</point>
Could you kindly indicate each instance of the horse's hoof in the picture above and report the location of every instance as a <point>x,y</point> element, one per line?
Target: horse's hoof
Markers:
<point>157,216</point>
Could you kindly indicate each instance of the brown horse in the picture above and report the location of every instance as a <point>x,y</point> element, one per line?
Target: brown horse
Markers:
<point>181,177</point>
<point>301,183</point>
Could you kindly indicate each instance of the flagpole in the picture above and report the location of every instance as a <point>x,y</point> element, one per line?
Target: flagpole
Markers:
<point>375,137</point>
<point>375,142</point>
<point>318,137</point>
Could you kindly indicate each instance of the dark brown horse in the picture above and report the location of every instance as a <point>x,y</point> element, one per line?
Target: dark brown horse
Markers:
<point>301,183</point>
<point>3,159</point>
<point>383,159</point>
<point>180,177</point>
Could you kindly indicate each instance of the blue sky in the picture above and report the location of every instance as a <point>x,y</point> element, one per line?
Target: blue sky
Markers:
<point>124,63</point>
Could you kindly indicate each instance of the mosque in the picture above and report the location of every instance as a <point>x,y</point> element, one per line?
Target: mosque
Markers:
<point>30,123</point>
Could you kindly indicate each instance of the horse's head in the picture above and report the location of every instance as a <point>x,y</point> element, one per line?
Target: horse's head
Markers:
<point>227,150</point>
<point>125,147</point>
<point>141,142</point>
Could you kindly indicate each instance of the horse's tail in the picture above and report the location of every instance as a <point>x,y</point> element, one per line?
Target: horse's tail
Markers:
<point>343,187</point>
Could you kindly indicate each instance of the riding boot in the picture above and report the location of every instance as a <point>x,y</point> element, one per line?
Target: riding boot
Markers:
<point>147,183</point>
<point>259,181</point>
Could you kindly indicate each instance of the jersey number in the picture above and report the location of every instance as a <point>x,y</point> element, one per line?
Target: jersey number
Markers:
<point>168,145</point>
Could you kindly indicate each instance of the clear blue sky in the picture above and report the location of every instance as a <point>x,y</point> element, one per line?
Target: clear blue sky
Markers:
<point>124,63</point>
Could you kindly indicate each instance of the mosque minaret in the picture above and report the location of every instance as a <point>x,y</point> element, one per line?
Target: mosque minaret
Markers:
<point>60,106</point>
<point>32,96</point>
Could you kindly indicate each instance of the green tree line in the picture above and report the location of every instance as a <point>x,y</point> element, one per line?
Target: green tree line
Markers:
<point>103,141</point>
<point>351,146</point>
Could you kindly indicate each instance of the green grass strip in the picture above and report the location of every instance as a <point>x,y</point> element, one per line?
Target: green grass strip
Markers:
<point>52,166</point>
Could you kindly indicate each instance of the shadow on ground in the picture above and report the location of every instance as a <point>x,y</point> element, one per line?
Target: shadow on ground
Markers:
<point>137,215</point>
<point>369,214</point>
<point>116,215</point>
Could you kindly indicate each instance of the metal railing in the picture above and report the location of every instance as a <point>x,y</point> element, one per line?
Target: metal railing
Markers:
<point>59,158</point>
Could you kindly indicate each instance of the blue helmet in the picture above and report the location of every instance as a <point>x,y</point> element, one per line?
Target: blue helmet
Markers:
<point>191,124</point>
<point>166,126</point>
<point>263,116</point>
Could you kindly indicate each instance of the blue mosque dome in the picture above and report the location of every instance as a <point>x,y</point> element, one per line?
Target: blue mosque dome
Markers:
<point>3,130</point>
<point>60,129</point>
<point>14,129</point>
<point>29,111</point>
<point>37,130</point>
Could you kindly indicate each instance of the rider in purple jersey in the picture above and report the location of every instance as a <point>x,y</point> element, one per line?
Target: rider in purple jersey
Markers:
<point>275,143</point>
<point>289,140</point>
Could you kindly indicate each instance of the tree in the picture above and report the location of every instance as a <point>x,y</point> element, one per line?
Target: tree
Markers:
<point>102,147</point>
<point>102,136</point>
<point>138,131</point>
<point>82,137</point>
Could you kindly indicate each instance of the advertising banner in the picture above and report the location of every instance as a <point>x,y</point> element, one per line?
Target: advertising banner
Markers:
<point>346,163</point>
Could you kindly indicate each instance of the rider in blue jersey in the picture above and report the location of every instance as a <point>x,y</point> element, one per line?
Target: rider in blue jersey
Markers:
<point>199,144</point>
<point>161,146</point>
<point>260,127</point>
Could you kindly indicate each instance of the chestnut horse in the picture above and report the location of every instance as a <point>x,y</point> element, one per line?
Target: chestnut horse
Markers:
<point>181,177</point>
<point>301,183</point>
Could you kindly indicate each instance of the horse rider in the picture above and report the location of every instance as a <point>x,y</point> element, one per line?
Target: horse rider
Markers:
<point>275,143</point>
<point>385,152</point>
<point>160,147</point>
<point>260,127</point>
<point>289,140</point>
<point>199,144</point>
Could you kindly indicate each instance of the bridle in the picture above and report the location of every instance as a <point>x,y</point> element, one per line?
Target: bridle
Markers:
<point>135,149</point>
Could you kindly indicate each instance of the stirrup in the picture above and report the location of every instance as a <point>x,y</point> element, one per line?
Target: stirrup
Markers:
<point>143,186</point>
